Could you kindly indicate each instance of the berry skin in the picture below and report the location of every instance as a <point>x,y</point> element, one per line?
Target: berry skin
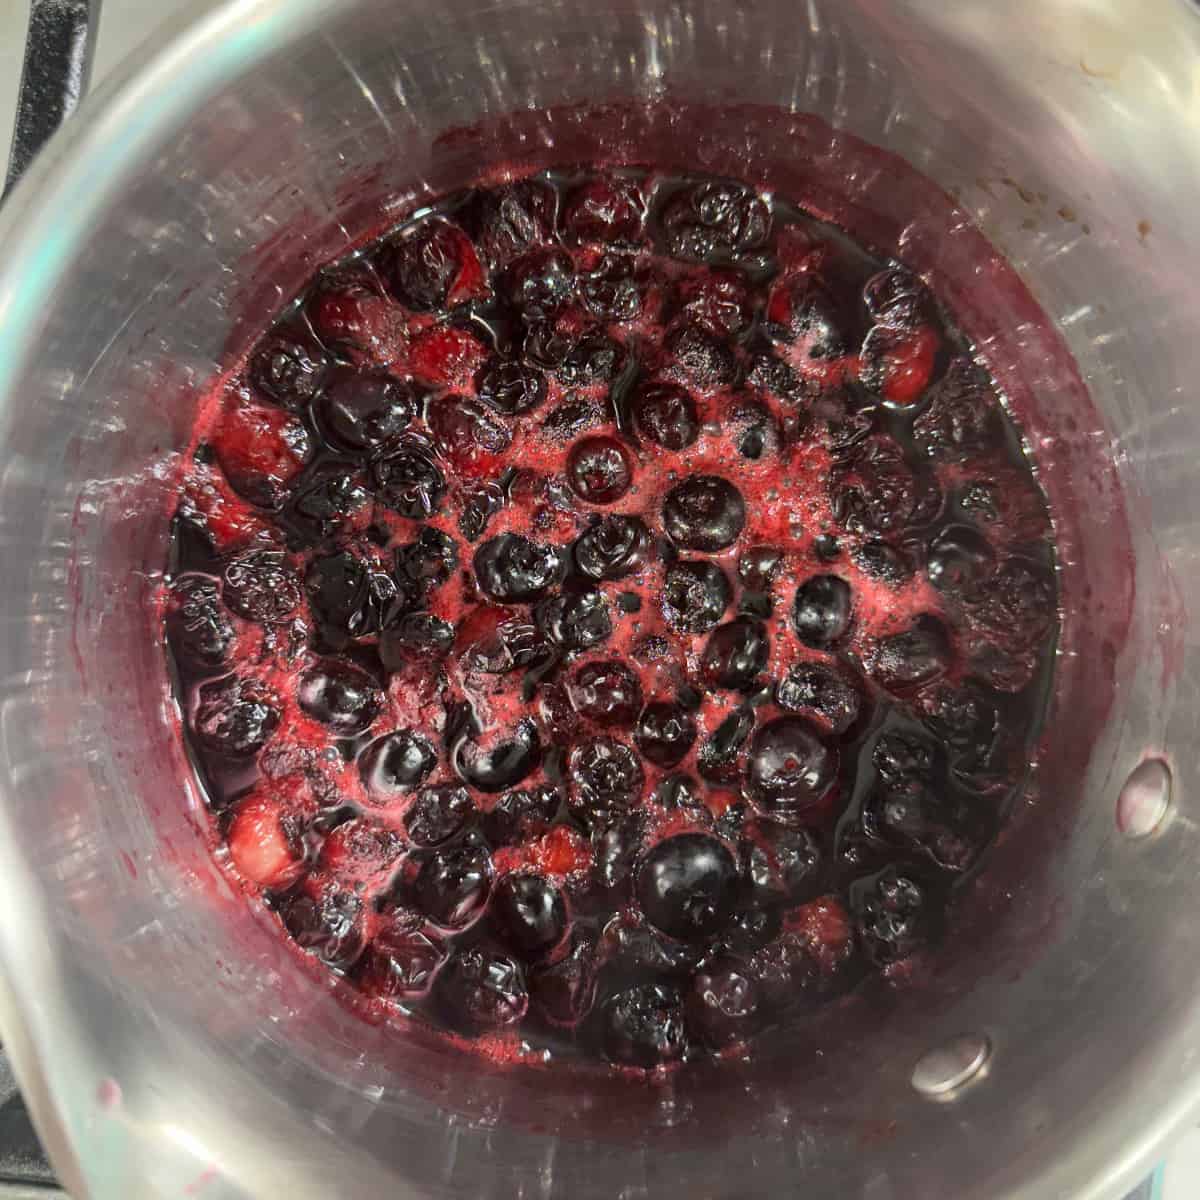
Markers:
<point>893,915</point>
<point>644,1027</point>
<point>665,733</point>
<point>695,596</point>
<point>468,436</point>
<point>564,992</point>
<point>417,637</point>
<point>821,611</point>
<point>735,654</point>
<point>712,221</point>
<point>395,764</point>
<point>720,757</point>
<point>605,211</point>
<point>327,922</point>
<point>481,990</point>
<point>522,815</point>
<point>599,470</point>
<point>790,769</point>
<point>705,513</point>
<point>408,481</point>
<point>529,914</point>
<point>452,886</point>
<point>962,419</point>
<point>758,567</point>
<point>780,865</point>
<point>264,843</point>
<point>346,596</point>
<point>959,561</point>
<point>199,629</point>
<point>687,886</point>
<point>341,696</point>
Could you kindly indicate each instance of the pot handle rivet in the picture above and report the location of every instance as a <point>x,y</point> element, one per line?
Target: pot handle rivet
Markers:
<point>942,1073</point>
<point>1145,800</point>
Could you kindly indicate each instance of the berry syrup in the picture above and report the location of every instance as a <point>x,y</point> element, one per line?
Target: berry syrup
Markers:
<point>612,613</point>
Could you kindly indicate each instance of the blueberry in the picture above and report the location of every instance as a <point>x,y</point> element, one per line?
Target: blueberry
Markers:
<point>704,512</point>
<point>509,386</point>
<point>781,865</point>
<point>426,262</point>
<point>200,631</point>
<point>365,412</point>
<point>606,692</point>
<point>509,220</point>
<point>810,688</point>
<point>529,914</point>
<point>616,847</point>
<point>564,991</point>
<point>723,1005</point>
<point>758,566</point>
<point>330,926</point>
<point>501,762</point>
<point>665,414</point>
<point>521,815</point>
<point>687,886</point>
<point>906,661</point>
<point>719,756</point>
<point>695,596</point>
<point>821,611</point>
<point>665,732</point>
<point>883,562</point>
<point>592,358</point>
<point>611,292</point>
<point>705,360</point>
<point>604,210</point>
<point>708,221</point>
<point>755,431</point>
<point>345,595</point>
<point>901,758</point>
<point>513,570</point>
<point>604,777</point>
<point>396,763</point>
<point>342,696</point>
<point>236,715</point>
<point>400,961</point>
<point>416,637</point>
<point>612,548</point>
<point>288,369</point>
<point>259,585</point>
<point>599,470</point>
<point>962,417</point>
<point>644,1027</point>
<point>451,887</point>
<point>959,560</point>
<point>790,769</point>
<point>682,793</point>
<point>480,990</point>
<point>575,620</point>
<point>735,654</point>
<point>437,814</point>
<point>408,481</point>
<point>894,915</point>
<point>540,283</point>
<point>897,298</point>
<point>427,562</point>
<point>1019,603</point>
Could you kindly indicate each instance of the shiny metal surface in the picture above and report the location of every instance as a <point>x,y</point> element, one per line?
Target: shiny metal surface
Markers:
<point>166,1044</point>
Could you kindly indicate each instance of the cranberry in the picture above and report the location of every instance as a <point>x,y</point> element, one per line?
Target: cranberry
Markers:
<point>959,560</point>
<point>408,481</point>
<point>201,632</point>
<point>606,692</point>
<point>735,654</point>
<point>790,769</point>
<point>804,307</point>
<point>898,364</point>
<point>432,265</point>
<point>599,470</point>
<point>755,431</point>
<point>962,419</point>
<point>605,210</point>
<point>719,301</point>
<point>501,760</point>
<point>813,689</point>
<point>781,865</point>
<point>612,292</point>
<point>348,314</point>
<point>564,992</point>
<point>604,777</point>
<point>644,1027</point>
<point>522,816</point>
<point>695,596</point>
<point>529,914</point>
<point>897,298</point>
<point>416,637</point>
<point>437,814</point>
<point>893,915</point>
<point>576,620</point>
<point>510,387</point>
<point>235,715</point>
<point>704,512</point>
<point>710,221</point>
<point>666,414</point>
<point>396,763</point>
<point>513,570</point>
<point>328,925</point>
<point>357,847</point>
<point>911,659</point>
<point>613,548</point>
<point>400,961</point>
<point>258,585</point>
<point>339,695</point>
<point>345,595</point>
<point>665,732</point>
<point>704,359</point>
<point>288,369</point>
<point>540,283</point>
<point>264,842</point>
<point>452,886</point>
<point>723,1005</point>
<point>720,756</point>
<point>687,885</point>
<point>1018,603</point>
<point>363,412</point>
<point>260,450</point>
<point>481,990</point>
<point>511,219</point>
<point>821,612</point>
<point>758,566</point>
<point>467,435</point>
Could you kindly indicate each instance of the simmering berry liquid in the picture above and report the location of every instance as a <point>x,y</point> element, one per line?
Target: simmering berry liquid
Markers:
<point>612,612</point>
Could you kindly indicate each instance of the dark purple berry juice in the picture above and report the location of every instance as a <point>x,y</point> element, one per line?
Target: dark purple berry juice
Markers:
<point>611,612</point>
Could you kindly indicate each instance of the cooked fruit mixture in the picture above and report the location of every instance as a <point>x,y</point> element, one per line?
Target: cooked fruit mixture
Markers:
<point>612,611</point>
